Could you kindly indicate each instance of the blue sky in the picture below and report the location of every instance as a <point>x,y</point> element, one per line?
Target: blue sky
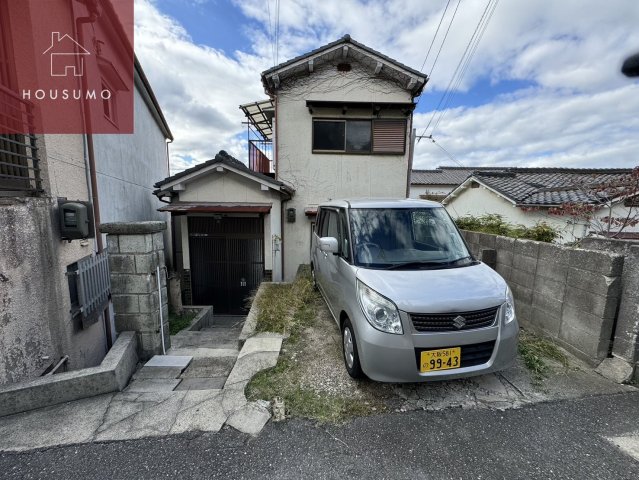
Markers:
<point>543,88</point>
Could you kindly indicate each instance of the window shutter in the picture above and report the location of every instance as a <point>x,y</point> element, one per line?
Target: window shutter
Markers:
<point>389,136</point>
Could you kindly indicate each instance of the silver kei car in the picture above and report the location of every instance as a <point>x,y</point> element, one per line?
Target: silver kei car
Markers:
<point>411,301</point>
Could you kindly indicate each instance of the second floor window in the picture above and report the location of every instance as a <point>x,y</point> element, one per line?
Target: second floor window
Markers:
<point>360,136</point>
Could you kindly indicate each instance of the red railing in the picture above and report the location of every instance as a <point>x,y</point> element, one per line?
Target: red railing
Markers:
<point>260,154</point>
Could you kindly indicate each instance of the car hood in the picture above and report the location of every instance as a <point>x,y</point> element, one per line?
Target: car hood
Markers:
<point>435,291</point>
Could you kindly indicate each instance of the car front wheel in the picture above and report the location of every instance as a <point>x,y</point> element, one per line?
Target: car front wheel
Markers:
<point>349,348</point>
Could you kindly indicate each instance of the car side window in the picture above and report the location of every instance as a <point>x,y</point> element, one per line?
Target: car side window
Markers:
<point>323,223</point>
<point>332,220</point>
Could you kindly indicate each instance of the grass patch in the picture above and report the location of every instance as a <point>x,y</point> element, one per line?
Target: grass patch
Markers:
<point>535,350</point>
<point>283,381</point>
<point>289,309</point>
<point>179,322</point>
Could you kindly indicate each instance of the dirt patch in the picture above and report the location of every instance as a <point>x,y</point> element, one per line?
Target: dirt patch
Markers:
<point>311,378</point>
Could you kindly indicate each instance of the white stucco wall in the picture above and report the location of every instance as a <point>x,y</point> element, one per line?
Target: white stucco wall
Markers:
<point>128,165</point>
<point>230,187</point>
<point>481,201</point>
<point>320,177</point>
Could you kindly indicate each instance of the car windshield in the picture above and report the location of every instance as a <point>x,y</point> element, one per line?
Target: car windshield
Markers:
<point>407,238</point>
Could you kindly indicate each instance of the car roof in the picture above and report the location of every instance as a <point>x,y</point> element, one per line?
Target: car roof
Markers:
<point>381,203</point>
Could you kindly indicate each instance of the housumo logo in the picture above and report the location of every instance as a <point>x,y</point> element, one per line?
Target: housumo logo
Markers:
<point>66,56</point>
<point>67,68</point>
<point>66,59</point>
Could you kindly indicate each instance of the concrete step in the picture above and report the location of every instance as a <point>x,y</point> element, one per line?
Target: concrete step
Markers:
<point>227,321</point>
<point>209,367</point>
<point>215,338</point>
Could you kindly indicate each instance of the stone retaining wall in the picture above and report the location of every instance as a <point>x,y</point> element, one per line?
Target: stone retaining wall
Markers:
<point>570,295</point>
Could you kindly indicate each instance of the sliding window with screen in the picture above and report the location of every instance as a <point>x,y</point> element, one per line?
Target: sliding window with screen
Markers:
<point>359,136</point>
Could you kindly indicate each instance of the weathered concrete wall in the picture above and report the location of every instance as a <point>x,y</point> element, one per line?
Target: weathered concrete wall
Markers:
<point>136,250</point>
<point>29,300</point>
<point>127,166</point>
<point>111,375</point>
<point>570,295</point>
<point>36,325</point>
<point>320,177</point>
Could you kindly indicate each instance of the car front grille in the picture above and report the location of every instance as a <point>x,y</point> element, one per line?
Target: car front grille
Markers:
<point>471,355</point>
<point>448,322</point>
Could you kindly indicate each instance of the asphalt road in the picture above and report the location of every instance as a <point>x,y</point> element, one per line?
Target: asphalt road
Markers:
<point>552,440</point>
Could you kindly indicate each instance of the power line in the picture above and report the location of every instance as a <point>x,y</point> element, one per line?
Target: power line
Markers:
<point>465,66</point>
<point>277,33</point>
<point>435,36</point>
<point>270,30</point>
<point>450,155</point>
<point>448,90</point>
<point>444,40</point>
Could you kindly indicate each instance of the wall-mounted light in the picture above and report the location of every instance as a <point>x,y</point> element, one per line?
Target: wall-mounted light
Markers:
<point>290,215</point>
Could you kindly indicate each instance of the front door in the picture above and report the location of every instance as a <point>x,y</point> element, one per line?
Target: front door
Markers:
<point>227,261</point>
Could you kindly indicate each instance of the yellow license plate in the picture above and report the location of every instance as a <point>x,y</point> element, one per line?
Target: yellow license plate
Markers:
<point>442,359</point>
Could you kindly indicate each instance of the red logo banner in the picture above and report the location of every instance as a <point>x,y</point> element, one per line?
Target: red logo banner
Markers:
<point>66,66</point>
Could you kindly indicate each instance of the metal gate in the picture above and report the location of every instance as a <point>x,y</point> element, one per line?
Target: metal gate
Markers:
<point>227,261</point>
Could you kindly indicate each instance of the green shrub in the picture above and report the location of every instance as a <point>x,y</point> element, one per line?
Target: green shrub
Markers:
<point>496,225</point>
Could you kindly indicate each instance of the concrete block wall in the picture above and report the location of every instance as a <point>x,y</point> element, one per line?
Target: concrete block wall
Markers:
<point>135,252</point>
<point>570,295</point>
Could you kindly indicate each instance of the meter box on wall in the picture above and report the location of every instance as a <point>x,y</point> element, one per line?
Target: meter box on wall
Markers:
<point>76,219</point>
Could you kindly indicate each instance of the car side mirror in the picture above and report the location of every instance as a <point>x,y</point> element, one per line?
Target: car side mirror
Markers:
<point>329,245</point>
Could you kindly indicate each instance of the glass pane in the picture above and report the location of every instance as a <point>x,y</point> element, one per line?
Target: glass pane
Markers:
<point>328,135</point>
<point>388,237</point>
<point>358,136</point>
<point>333,226</point>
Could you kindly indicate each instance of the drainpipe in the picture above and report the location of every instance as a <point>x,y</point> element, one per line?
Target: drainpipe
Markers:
<point>80,21</point>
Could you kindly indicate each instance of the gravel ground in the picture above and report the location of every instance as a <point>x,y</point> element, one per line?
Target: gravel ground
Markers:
<point>318,355</point>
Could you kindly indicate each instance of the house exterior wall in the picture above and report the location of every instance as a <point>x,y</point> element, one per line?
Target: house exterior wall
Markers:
<point>37,328</point>
<point>481,201</point>
<point>317,177</point>
<point>124,166</point>
<point>232,188</point>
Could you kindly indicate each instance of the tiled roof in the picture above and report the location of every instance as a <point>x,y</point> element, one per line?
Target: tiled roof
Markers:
<point>405,70</point>
<point>549,186</point>
<point>445,175</point>
<point>226,159</point>
<point>345,39</point>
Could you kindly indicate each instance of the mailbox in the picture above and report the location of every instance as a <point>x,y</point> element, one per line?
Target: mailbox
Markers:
<point>76,219</point>
<point>290,215</point>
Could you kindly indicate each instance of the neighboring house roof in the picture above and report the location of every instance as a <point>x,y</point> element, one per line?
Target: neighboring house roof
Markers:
<point>380,63</point>
<point>544,186</point>
<point>445,175</point>
<point>223,158</point>
<point>150,99</point>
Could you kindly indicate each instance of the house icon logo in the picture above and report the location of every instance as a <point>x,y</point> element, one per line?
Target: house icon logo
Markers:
<point>67,56</point>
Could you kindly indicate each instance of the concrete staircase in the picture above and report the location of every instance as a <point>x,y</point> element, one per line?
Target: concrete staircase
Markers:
<point>213,352</point>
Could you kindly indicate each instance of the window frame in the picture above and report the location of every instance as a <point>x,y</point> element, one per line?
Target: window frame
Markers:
<point>371,120</point>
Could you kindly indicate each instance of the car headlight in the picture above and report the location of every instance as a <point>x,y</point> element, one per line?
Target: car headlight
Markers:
<point>380,312</point>
<point>509,307</point>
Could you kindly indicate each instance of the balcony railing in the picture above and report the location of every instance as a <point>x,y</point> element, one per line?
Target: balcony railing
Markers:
<point>260,155</point>
<point>19,162</point>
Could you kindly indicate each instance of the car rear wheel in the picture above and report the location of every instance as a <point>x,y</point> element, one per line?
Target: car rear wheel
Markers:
<point>349,348</point>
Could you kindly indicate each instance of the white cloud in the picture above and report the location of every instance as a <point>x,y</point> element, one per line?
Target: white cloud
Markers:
<point>580,111</point>
<point>198,87</point>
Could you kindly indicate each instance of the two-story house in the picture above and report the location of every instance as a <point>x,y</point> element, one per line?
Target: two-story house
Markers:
<point>337,124</point>
<point>44,320</point>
